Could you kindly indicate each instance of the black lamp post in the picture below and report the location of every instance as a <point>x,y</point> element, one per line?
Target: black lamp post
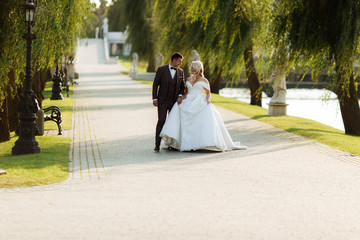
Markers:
<point>56,87</point>
<point>28,105</point>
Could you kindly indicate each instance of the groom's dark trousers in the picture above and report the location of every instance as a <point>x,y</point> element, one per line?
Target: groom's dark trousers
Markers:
<point>166,90</point>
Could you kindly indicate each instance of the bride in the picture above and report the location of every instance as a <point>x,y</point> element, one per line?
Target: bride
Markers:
<point>195,123</point>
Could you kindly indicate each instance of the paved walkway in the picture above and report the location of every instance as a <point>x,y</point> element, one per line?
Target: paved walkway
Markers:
<point>282,187</point>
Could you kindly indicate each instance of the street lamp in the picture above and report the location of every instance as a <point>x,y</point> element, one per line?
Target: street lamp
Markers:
<point>28,105</point>
<point>56,87</point>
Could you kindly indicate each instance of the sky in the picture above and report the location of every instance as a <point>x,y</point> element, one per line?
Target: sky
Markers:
<point>98,2</point>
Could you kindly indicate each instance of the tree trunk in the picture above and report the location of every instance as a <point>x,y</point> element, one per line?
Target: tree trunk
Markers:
<point>48,76</point>
<point>186,70</point>
<point>253,80</point>
<point>37,87</point>
<point>215,83</point>
<point>349,106</point>
<point>13,103</point>
<point>42,85</point>
<point>4,121</point>
<point>207,73</point>
<point>13,112</point>
<point>151,63</point>
<point>43,78</point>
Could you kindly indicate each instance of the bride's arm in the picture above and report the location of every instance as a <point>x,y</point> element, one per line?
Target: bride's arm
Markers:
<point>207,89</point>
<point>208,95</point>
<point>186,89</point>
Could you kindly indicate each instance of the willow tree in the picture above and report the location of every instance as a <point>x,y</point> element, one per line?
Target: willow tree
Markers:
<point>224,31</point>
<point>56,27</point>
<point>117,21</point>
<point>61,28</point>
<point>137,16</point>
<point>12,58</point>
<point>175,33</point>
<point>100,13</point>
<point>327,35</point>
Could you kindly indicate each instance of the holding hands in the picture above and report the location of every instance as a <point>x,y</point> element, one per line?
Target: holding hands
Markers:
<point>155,102</point>
<point>179,100</point>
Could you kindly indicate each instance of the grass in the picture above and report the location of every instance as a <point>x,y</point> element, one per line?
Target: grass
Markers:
<point>300,126</point>
<point>127,62</point>
<point>49,166</point>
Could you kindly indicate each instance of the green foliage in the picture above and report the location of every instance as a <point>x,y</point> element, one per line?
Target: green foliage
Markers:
<point>219,30</point>
<point>139,15</point>
<point>322,34</point>
<point>117,21</point>
<point>57,26</point>
<point>99,13</point>
<point>12,54</point>
<point>91,23</point>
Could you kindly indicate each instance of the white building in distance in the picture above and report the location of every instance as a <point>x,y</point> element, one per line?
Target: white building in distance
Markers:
<point>115,41</point>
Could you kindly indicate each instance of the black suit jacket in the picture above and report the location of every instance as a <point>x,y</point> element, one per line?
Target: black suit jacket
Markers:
<point>161,83</point>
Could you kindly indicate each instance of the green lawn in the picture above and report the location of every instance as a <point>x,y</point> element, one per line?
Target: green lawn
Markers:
<point>49,166</point>
<point>127,62</point>
<point>304,127</point>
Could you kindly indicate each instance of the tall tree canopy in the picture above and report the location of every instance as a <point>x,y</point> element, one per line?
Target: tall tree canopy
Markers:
<point>224,32</point>
<point>117,21</point>
<point>137,16</point>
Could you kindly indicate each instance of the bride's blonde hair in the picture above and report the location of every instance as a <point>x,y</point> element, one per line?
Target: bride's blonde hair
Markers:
<point>198,67</point>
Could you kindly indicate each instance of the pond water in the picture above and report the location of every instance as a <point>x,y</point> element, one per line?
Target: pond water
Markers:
<point>316,104</point>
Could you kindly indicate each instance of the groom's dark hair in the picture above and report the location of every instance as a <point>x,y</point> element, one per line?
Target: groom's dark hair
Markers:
<point>176,55</point>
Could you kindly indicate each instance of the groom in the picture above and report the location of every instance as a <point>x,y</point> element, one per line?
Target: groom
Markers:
<point>168,88</point>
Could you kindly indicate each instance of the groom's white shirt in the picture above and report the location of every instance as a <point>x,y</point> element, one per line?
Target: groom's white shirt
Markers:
<point>172,71</point>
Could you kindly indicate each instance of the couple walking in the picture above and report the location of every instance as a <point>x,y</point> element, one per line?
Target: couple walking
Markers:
<point>193,122</point>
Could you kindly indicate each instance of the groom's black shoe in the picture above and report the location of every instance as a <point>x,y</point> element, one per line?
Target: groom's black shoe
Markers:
<point>157,149</point>
<point>172,149</point>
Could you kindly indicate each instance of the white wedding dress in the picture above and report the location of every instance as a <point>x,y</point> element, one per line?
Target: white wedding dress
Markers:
<point>195,124</point>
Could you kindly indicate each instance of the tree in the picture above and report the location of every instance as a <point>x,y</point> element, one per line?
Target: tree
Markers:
<point>179,31</point>
<point>325,35</point>
<point>174,32</point>
<point>100,13</point>
<point>138,17</point>
<point>117,21</point>
<point>57,23</point>
<point>224,32</point>
<point>12,58</point>
<point>92,22</point>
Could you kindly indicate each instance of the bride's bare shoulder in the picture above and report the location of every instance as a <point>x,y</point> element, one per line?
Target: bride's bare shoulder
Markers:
<point>202,79</point>
<point>187,79</point>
